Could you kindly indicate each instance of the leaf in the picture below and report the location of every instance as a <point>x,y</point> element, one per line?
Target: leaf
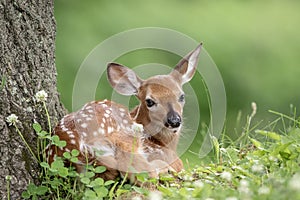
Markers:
<point>101,191</point>
<point>42,134</point>
<point>61,143</point>
<point>100,169</point>
<point>31,188</point>
<point>85,180</point>
<point>256,143</point>
<point>183,192</point>
<point>97,182</point>
<point>26,195</point>
<point>45,165</point>
<point>41,190</point>
<point>142,177</point>
<point>58,163</point>
<point>140,190</point>
<point>74,159</point>
<point>63,171</point>
<point>165,191</point>
<point>55,139</point>
<point>75,152</point>
<point>167,178</point>
<point>216,146</point>
<point>67,155</point>
<point>89,174</point>
<point>269,134</point>
<point>89,193</point>
<point>109,182</point>
<point>121,191</point>
<point>37,127</point>
<point>280,148</point>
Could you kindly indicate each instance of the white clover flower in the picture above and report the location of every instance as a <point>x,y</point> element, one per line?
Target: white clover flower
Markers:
<point>139,128</point>
<point>231,198</point>
<point>155,195</point>
<point>12,119</point>
<point>294,183</point>
<point>264,190</point>
<point>198,184</point>
<point>244,187</point>
<point>137,198</point>
<point>187,177</point>
<point>226,175</point>
<point>257,168</point>
<point>41,96</point>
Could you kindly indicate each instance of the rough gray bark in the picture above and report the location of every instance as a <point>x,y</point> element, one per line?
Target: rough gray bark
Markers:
<point>27,44</point>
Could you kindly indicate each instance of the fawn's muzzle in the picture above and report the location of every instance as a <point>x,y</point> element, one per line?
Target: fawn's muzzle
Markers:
<point>173,120</point>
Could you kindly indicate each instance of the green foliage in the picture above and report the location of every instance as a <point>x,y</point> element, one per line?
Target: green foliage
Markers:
<point>261,164</point>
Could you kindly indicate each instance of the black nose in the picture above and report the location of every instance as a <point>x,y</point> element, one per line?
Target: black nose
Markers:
<point>174,120</point>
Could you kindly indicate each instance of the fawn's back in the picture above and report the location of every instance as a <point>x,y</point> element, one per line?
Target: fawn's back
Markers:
<point>143,140</point>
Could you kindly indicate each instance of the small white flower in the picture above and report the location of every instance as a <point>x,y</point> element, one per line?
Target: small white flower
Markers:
<point>294,183</point>
<point>257,168</point>
<point>198,184</point>
<point>41,96</point>
<point>264,190</point>
<point>137,198</point>
<point>226,175</point>
<point>8,177</point>
<point>12,119</point>
<point>155,195</point>
<point>231,198</point>
<point>187,177</point>
<point>139,128</point>
<point>244,187</point>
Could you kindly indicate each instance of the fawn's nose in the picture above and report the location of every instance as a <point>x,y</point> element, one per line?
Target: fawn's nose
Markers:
<point>173,120</point>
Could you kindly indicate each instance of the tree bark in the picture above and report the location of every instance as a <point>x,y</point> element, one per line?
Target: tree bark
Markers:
<point>27,65</point>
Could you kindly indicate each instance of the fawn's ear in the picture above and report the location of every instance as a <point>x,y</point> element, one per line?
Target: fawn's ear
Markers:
<point>186,68</point>
<point>123,79</point>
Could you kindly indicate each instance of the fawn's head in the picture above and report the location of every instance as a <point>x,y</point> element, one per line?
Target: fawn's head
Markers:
<point>161,96</point>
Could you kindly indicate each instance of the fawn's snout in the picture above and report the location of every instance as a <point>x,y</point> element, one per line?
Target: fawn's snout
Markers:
<point>173,120</point>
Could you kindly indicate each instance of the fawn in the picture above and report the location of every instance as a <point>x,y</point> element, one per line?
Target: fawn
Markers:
<point>143,140</point>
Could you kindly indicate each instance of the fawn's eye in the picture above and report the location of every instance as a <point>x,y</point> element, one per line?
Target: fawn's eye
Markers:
<point>181,98</point>
<point>150,103</point>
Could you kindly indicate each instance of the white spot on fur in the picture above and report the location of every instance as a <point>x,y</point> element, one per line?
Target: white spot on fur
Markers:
<point>106,115</point>
<point>84,134</point>
<point>110,129</point>
<point>101,131</point>
<point>73,141</point>
<point>64,128</point>
<point>95,133</point>
<point>84,125</point>
<point>72,136</point>
<point>50,152</point>
<point>121,109</point>
<point>102,125</point>
<point>125,121</point>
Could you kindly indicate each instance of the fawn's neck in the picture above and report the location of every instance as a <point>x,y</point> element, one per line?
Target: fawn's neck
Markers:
<point>160,136</point>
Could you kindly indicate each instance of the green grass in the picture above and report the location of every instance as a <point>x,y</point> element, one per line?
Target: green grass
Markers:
<point>260,164</point>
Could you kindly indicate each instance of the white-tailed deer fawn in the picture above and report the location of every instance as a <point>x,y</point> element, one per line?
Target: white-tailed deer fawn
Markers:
<point>143,140</point>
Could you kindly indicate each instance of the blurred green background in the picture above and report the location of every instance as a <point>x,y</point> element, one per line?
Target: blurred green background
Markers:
<point>255,44</point>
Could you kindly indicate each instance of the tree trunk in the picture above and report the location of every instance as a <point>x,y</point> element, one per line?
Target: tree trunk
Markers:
<point>27,61</point>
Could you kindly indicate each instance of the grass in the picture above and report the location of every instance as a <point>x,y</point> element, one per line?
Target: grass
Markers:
<point>260,164</point>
